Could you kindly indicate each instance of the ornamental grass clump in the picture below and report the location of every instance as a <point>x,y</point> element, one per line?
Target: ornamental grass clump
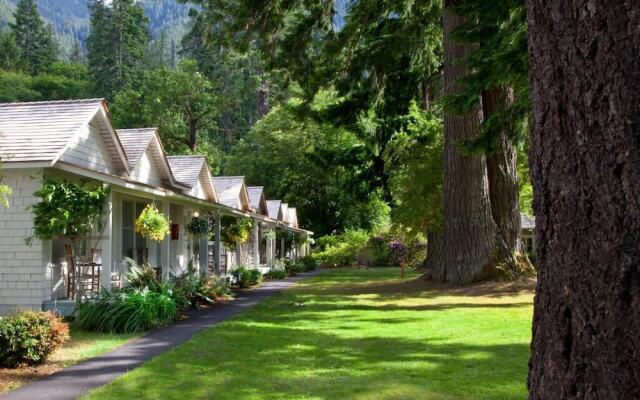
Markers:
<point>131,309</point>
<point>152,224</point>
<point>29,337</point>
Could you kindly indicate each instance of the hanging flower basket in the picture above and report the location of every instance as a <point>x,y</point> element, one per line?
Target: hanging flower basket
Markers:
<point>236,232</point>
<point>152,224</point>
<point>198,226</point>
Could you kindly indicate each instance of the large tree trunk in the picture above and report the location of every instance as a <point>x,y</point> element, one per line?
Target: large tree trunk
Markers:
<point>433,264</point>
<point>503,175</point>
<point>470,245</point>
<point>585,163</point>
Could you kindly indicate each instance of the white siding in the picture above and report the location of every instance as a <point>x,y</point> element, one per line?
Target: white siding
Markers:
<point>146,171</point>
<point>88,150</point>
<point>23,271</point>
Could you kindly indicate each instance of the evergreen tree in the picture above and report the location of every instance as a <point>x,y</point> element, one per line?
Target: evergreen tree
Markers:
<point>586,174</point>
<point>8,51</point>
<point>77,55</point>
<point>34,39</point>
<point>116,44</point>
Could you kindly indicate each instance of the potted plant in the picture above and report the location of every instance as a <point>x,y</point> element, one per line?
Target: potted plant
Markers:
<point>198,226</point>
<point>152,224</point>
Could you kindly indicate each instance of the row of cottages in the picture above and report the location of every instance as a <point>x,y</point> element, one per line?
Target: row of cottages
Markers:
<point>75,140</point>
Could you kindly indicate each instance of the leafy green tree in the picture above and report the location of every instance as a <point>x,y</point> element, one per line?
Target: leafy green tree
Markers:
<point>68,211</point>
<point>62,81</point>
<point>182,103</point>
<point>378,55</point>
<point>34,39</point>
<point>116,44</point>
<point>321,169</point>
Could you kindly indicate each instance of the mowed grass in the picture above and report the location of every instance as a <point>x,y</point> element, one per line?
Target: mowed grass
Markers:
<point>353,334</point>
<point>81,346</point>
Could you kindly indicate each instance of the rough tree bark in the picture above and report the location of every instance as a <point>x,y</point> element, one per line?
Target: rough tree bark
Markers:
<point>503,175</point>
<point>585,163</point>
<point>433,264</point>
<point>470,245</point>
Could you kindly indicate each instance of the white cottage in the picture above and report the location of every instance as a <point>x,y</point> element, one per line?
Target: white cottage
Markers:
<point>75,140</point>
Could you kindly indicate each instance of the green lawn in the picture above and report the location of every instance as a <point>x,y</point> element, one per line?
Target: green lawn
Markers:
<point>353,334</point>
<point>81,346</point>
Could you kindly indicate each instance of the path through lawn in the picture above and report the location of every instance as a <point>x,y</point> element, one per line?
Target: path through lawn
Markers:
<point>353,334</point>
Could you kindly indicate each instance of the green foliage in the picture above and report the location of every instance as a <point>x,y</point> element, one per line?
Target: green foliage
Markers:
<point>67,210</point>
<point>323,170</point>
<point>152,223</point>
<point>29,337</point>
<point>34,40</point>
<point>141,276</point>
<point>116,43</point>
<point>131,309</point>
<point>202,290</point>
<point>276,274</point>
<point>181,102</point>
<point>8,51</point>
<point>245,277</point>
<point>416,171</point>
<point>235,231</point>
<point>500,60</point>
<point>61,81</point>
<point>198,226</point>
<point>340,250</point>
<point>292,267</point>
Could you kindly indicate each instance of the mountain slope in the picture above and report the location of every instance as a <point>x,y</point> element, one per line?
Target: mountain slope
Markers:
<point>70,18</point>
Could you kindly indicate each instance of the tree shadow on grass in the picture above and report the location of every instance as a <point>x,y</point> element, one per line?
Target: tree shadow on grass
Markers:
<point>330,344</point>
<point>246,361</point>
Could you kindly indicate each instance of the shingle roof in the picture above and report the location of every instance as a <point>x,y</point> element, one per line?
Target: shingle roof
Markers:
<point>230,190</point>
<point>40,131</point>
<point>273,208</point>
<point>527,221</point>
<point>135,142</point>
<point>186,169</point>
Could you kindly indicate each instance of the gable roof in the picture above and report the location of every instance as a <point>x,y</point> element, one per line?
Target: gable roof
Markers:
<point>273,209</point>
<point>232,191</point>
<point>137,141</point>
<point>284,209</point>
<point>188,169</point>
<point>42,131</point>
<point>292,217</point>
<point>257,199</point>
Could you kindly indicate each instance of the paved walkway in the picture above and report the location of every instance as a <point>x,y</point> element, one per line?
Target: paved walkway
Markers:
<point>74,381</point>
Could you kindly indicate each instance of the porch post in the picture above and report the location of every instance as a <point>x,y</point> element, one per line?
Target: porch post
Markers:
<point>216,244</point>
<point>282,254</point>
<point>238,255</point>
<point>106,246</point>
<point>256,243</point>
<point>165,245</point>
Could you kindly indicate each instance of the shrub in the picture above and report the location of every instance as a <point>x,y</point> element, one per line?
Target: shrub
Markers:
<point>131,309</point>
<point>308,263</point>
<point>30,337</point>
<point>276,274</point>
<point>292,267</point>
<point>141,276</point>
<point>247,277</point>
<point>196,289</point>
<point>340,250</point>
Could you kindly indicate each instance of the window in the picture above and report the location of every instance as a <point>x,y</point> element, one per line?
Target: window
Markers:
<point>133,245</point>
